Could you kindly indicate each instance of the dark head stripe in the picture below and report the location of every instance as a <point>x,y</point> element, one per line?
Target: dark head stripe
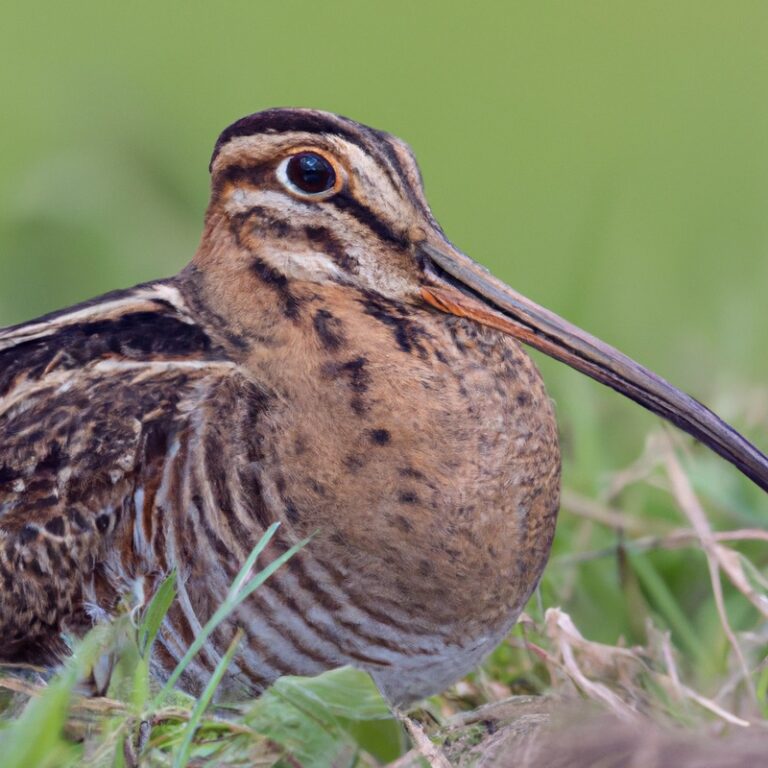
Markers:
<point>387,147</point>
<point>368,218</point>
<point>285,120</point>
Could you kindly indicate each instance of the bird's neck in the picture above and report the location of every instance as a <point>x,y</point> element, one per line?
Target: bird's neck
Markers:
<point>286,320</point>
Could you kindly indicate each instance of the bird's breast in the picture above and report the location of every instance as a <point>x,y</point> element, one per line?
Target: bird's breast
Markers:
<point>421,450</point>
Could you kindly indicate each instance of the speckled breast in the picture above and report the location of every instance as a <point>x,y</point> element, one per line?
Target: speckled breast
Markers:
<point>421,451</point>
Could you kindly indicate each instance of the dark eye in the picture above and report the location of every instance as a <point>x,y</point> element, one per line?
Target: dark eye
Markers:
<point>310,173</point>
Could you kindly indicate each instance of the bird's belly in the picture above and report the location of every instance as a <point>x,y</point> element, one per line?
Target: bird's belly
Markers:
<point>406,663</point>
<point>292,628</point>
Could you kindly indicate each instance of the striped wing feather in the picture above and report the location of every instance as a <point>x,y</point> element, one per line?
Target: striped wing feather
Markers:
<point>105,415</point>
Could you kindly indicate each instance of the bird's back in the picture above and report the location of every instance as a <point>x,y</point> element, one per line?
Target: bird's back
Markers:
<point>91,401</point>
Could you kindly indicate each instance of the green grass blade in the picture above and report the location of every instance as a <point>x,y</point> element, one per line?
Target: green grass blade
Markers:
<point>181,754</point>
<point>155,613</point>
<point>667,605</point>
<point>251,561</point>
<point>35,739</point>
<point>262,576</point>
<point>233,600</point>
<point>145,637</point>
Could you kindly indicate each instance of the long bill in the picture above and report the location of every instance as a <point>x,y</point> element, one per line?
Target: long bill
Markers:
<point>459,286</point>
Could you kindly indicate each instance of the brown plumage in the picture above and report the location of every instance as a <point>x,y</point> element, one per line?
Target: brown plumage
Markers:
<point>328,360</point>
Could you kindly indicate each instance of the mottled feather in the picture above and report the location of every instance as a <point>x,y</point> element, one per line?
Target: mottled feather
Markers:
<point>289,374</point>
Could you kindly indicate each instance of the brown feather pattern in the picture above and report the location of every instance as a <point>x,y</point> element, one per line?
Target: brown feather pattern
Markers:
<point>285,375</point>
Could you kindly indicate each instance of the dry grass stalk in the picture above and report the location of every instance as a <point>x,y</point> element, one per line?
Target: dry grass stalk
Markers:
<point>718,557</point>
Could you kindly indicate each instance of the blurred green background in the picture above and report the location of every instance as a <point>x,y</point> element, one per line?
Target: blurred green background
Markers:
<point>608,159</point>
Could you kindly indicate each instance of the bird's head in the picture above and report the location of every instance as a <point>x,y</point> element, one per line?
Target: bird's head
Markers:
<point>313,197</point>
<point>320,198</point>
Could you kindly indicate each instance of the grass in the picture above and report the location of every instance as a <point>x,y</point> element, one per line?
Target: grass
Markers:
<point>654,603</point>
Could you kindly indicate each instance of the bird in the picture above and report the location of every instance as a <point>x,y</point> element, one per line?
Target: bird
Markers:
<point>328,361</point>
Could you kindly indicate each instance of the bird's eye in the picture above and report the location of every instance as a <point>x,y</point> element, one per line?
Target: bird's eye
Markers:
<point>309,173</point>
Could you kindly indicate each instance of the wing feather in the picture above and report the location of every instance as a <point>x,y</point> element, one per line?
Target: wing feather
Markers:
<point>94,402</point>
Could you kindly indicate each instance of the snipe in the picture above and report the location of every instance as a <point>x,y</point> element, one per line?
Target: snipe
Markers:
<point>328,360</point>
